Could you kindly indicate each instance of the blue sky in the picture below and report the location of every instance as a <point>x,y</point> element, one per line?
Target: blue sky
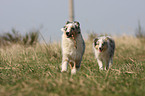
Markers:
<point>115,17</point>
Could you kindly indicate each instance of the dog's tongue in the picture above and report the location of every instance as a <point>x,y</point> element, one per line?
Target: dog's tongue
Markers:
<point>72,36</point>
<point>100,50</point>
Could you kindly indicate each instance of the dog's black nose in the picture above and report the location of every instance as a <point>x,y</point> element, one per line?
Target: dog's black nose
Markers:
<point>100,48</point>
<point>67,33</point>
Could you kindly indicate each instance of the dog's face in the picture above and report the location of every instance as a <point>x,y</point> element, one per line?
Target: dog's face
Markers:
<point>71,29</point>
<point>101,44</point>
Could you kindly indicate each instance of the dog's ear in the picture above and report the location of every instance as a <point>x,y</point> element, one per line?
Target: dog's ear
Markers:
<point>62,29</point>
<point>67,22</point>
<point>108,38</point>
<point>95,40</point>
<point>77,24</point>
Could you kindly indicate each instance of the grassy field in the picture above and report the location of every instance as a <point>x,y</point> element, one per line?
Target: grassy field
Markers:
<point>35,71</point>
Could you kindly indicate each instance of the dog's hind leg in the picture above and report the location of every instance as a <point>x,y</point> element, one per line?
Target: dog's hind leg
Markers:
<point>108,64</point>
<point>71,64</point>
<point>78,64</point>
<point>73,70</point>
<point>78,67</point>
<point>64,65</point>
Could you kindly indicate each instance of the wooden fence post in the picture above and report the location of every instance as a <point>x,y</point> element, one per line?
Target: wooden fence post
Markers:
<point>71,10</point>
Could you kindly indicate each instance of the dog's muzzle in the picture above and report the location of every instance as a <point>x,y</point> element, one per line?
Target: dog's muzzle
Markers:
<point>68,34</point>
<point>100,49</point>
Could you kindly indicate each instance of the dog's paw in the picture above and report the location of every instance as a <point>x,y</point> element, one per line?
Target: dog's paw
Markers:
<point>64,67</point>
<point>73,71</point>
<point>100,68</point>
<point>63,71</point>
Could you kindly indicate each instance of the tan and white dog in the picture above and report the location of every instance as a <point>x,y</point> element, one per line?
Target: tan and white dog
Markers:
<point>73,46</point>
<point>104,48</point>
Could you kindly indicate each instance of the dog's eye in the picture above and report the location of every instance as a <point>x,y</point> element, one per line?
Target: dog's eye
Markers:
<point>103,43</point>
<point>65,28</point>
<point>96,43</point>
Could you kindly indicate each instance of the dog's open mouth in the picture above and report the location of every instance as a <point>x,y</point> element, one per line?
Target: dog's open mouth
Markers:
<point>69,35</point>
<point>100,49</point>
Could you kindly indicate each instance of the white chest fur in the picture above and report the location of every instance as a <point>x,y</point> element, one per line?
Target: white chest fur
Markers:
<point>72,49</point>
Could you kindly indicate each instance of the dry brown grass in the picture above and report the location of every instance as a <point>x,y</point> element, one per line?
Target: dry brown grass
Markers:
<point>36,71</point>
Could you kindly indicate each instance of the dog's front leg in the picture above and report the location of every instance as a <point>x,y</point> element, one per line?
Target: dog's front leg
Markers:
<point>64,65</point>
<point>100,64</point>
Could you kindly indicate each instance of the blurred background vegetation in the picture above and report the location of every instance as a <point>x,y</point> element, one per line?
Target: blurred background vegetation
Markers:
<point>14,37</point>
<point>32,37</point>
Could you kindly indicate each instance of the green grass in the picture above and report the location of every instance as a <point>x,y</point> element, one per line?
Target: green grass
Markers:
<point>35,71</point>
